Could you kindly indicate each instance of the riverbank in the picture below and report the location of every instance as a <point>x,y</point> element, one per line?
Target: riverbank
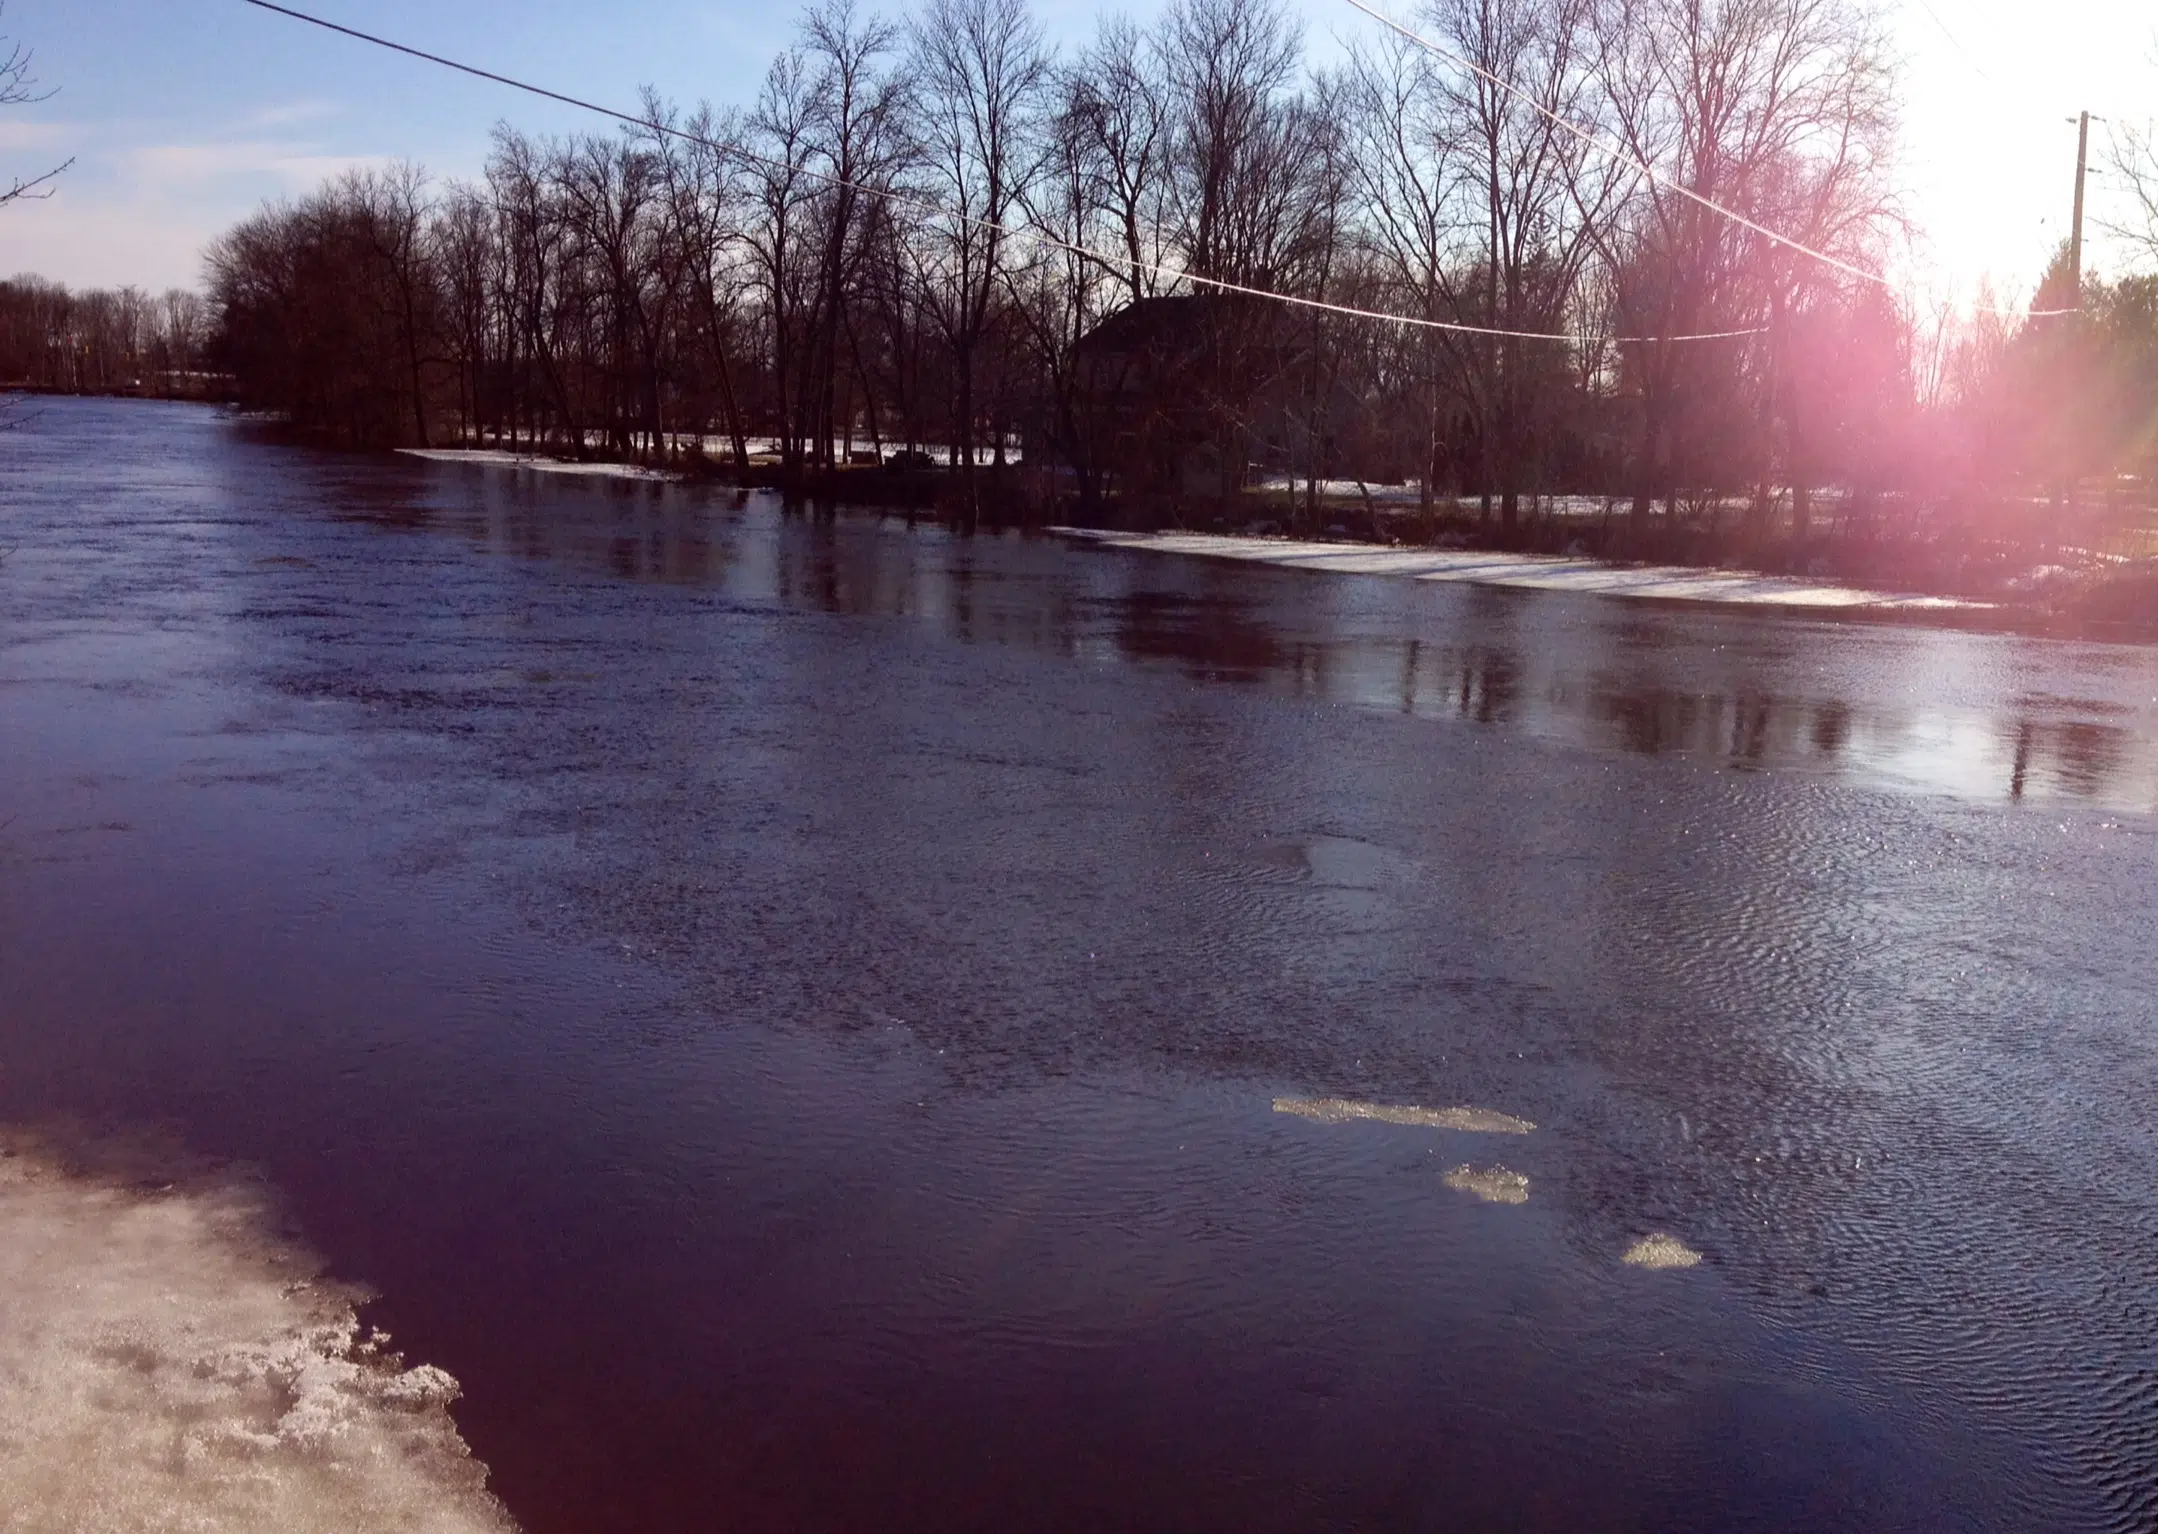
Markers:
<point>1567,550</point>
<point>537,463</point>
<point>167,1362</point>
<point>1482,567</point>
<point>888,484</point>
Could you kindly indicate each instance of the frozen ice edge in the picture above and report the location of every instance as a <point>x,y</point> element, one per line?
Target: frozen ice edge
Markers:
<point>496,458</point>
<point>167,1363</point>
<point>1538,572</point>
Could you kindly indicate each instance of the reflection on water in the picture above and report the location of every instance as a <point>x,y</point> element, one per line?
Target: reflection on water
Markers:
<point>1974,715</point>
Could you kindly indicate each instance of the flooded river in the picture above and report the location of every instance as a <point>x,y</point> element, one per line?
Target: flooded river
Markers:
<point>821,1023</point>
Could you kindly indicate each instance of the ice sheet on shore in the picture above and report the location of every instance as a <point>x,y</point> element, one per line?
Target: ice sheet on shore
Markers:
<point>166,1364</point>
<point>1541,572</point>
<point>497,458</point>
<point>1339,1110</point>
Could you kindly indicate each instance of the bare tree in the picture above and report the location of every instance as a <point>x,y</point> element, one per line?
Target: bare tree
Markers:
<point>702,169</point>
<point>462,247</point>
<point>394,209</point>
<point>1544,197</point>
<point>610,186</point>
<point>1116,120</point>
<point>536,297</point>
<point>1778,109</point>
<point>856,105</point>
<point>1250,172</point>
<point>781,237</point>
<point>1401,154</point>
<point>18,87</point>
<point>1058,291</point>
<point>1239,133</point>
<point>2132,157</point>
<point>979,70</point>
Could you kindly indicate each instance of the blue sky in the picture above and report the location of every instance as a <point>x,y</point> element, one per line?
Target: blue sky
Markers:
<point>184,114</point>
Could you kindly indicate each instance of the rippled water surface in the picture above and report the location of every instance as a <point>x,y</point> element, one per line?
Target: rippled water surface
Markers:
<point>794,1012</point>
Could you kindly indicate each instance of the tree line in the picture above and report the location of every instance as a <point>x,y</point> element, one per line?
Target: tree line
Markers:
<point>936,239</point>
<point>104,340</point>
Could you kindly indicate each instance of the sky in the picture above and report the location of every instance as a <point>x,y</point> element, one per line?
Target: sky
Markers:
<point>183,115</point>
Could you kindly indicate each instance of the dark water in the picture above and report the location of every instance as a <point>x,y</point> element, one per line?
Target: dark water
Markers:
<point>788,1010</point>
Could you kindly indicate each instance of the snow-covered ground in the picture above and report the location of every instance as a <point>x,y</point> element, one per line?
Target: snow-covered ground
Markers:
<point>1541,572</point>
<point>1349,494</point>
<point>721,449</point>
<point>167,1364</point>
<point>1349,491</point>
<point>500,459</point>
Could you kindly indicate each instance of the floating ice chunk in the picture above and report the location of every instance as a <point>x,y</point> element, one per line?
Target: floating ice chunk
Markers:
<point>1658,1250</point>
<point>1492,1184</point>
<point>1337,1110</point>
<point>167,1364</point>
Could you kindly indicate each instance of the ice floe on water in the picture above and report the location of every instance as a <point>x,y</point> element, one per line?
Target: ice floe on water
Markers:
<point>167,1364</point>
<point>1541,572</point>
<point>1658,1250</point>
<point>497,458</point>
<point>1337,1110</point>
<point>1492,1184</point>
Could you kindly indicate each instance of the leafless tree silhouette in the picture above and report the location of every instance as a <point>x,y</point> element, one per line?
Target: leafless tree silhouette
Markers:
<point>17,88</point>
<point>935,238</point>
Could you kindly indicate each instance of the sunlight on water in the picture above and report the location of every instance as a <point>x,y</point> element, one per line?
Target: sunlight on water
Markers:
<point>1335,1110</point>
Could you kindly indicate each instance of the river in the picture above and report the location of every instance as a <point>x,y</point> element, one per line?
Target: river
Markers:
<point>794,1011</point>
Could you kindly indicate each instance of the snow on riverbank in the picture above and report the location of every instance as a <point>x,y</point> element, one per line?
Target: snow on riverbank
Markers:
<point>1542,572</point>
<point>496,458</point>
<point>166,1364</point>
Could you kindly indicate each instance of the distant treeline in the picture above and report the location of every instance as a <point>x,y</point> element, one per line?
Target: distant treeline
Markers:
<point>940,235</point>
<point>104,340</point>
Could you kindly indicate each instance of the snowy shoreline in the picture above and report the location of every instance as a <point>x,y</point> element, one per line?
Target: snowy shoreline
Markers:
<point>499,458</point>
<point>1536,572</point>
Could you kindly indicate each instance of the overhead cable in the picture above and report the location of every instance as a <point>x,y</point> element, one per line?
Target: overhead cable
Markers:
<point>1968,57</point>
<point>1627,158</point>
<point>923,205</point>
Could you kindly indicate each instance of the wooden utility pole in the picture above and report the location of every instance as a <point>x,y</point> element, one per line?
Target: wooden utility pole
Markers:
<point>2075,232</point>
<point>2066,491</point>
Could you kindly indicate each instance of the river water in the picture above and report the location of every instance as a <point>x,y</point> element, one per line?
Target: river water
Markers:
<point>790,1010</point>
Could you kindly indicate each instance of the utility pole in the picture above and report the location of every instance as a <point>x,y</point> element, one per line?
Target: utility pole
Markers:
<point>2066,491</point>
<point>2075,233</point>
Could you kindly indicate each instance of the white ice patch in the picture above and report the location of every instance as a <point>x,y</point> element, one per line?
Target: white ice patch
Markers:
<point>1492,1184</point>
<point>166,1364</point>
<point>496,458</point>
<point>1541,572</point>
<point>1340,1110</point>
<point>1658,1250</point>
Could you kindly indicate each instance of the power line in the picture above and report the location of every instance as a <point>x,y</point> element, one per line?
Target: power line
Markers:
<point>1968,57</point>
<point>903,199</point>
<point>1624,157</point>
